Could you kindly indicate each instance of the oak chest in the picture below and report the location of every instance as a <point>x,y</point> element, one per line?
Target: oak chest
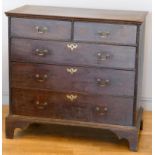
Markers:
<point>75,67</point>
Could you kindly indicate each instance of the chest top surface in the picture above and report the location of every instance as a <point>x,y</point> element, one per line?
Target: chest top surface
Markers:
<point>48,12</point>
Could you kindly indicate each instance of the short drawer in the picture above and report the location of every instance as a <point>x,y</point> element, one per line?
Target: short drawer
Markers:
<point>40,29</point>
<point>73,106</point>
<point>53,52</point>
<point>77,79</point>
<point>105,33</point>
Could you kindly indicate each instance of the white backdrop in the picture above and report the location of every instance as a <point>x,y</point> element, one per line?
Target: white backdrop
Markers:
<point>141,5</point>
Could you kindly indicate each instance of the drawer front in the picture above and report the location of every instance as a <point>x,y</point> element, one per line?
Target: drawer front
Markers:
<point>52,52</point>
<point>106,33</point>
<point>71,106</point>
<point>40,29</point>
<point>78,79</point>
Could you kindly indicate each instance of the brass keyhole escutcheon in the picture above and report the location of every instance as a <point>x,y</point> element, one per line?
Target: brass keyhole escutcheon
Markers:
<point>72,46</point>
<point>71,70</point>
<point>71,97</point>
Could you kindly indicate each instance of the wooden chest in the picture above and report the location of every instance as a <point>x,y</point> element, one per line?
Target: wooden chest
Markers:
<point>75,67</point>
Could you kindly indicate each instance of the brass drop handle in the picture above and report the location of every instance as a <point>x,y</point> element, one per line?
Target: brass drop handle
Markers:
<point>41,29</point>
<point>102,82</point>
<point>72,46</point>
<point>103,34</point>
<point>71,70</point>
<point>103,56</point>
<point>41,53</point>
<point>71,97</point>
<point>41,78</point>
<point>41,105</point>
<point>101,110</point>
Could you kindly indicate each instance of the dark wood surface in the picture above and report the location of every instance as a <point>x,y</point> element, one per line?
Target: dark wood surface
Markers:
<point>85,54</point>
<point>84,80</point>
<point>65,140</point>
<point>139,67</point>
<point>131,133</point>
<point>78,14</point>
<point>101,109</point>
<point>109,88</point>
<point>59,30</point>
<point>105,33</point>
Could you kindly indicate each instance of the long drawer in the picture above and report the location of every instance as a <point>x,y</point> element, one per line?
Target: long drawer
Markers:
<point>40,29</point>
<point>53,52</point>
<point>72,78</point>
<point>72,106</point>
<point>105,33</point>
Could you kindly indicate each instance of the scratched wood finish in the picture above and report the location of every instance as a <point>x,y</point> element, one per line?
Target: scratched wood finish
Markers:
<point>105,33</point>
<point>84,80</point>
<point>97,55</point>
<point>27,28</point>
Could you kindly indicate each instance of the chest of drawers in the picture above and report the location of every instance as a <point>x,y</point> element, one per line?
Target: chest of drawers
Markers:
<point>75,67</point>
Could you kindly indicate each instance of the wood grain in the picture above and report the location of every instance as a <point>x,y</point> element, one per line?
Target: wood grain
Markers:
<point>78,14</point>
<point>86,54</point>
<point>90,109</point>
<point>46,140</point>
<point>59,30</point>
<point>105,33</point>
<point>84,80</point>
